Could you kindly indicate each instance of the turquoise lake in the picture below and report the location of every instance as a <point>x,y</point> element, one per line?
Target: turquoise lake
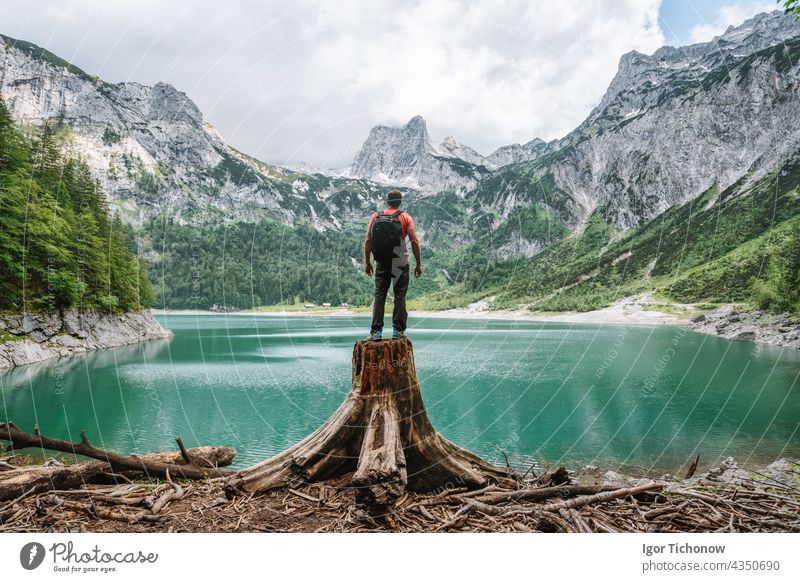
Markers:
<point>610,395</point>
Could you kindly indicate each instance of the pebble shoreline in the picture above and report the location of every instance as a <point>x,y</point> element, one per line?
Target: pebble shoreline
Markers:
<point>754,326</point>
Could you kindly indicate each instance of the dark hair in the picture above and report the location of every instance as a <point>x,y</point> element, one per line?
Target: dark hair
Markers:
<point>394,198</point>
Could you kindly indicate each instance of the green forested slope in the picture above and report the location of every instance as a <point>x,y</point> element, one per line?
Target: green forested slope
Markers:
<point>246,265</point>
<point>739,245</point>
<point>58,246</point>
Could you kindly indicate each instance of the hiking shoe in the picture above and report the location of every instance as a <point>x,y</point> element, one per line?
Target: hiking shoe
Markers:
<point>397,334</point>
<point>375,335</point>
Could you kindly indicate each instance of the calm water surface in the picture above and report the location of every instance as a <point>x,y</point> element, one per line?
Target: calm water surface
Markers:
<point>611,395</point>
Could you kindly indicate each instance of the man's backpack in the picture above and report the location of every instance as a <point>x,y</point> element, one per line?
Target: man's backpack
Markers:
<point>387,236</point>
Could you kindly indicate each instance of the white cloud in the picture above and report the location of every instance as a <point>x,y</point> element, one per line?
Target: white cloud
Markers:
<point>305,81</point>
<point>727,15</point>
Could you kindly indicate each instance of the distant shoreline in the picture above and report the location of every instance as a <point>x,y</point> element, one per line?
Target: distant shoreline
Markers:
<point>724,321</point>
<point>621,312</point>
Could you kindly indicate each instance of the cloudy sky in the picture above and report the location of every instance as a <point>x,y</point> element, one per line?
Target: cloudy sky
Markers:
<point>302,82</point>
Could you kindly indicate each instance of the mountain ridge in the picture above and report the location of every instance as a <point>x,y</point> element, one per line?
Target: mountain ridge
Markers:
<point>668,134</point>
<point>151,148</point>
<point>407,156</point>
<point>153,152</point>
<point>670,126</point>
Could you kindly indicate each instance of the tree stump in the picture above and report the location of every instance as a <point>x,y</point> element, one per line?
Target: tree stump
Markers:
<point>381,434</point>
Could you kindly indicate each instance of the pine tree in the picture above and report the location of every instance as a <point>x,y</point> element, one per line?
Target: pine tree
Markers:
<point>48,167</point>
<point>13,149</point>
<point>13,205</point>
<point>58,246</point>
<point>124,267</point>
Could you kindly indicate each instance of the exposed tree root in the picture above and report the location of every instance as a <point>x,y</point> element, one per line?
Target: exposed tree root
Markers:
<point>700,505</point>
<point>381,434</point>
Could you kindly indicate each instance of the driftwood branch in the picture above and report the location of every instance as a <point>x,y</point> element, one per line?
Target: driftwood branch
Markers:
<point>39,478</point>
<point>601,497</point>
<point>19,439</point>
<point>542,493</point>
<point>692,467</point>
<point>184,452</point>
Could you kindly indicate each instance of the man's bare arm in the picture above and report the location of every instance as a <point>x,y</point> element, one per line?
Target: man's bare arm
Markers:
<point>415,248</point>
<point>368,251</point>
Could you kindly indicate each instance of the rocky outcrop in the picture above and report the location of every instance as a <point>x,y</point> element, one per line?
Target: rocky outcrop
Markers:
<point>754,326</point>
<point>452,148</point>
<point>406,156</point>
<point>33,337</point>
<point>781,472</point>
<point>515,153</point>
<point>675,123</point>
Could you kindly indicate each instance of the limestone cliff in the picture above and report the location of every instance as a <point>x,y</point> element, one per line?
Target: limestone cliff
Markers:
<point>32,337</point>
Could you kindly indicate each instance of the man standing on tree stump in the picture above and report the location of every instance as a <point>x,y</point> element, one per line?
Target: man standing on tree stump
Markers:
<point>386,241</point>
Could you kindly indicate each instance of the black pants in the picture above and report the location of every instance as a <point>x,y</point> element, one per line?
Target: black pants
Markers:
<point>386,272</point>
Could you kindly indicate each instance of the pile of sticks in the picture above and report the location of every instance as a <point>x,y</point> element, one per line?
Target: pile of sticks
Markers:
<point>705,505</point>
<point>186,490</point>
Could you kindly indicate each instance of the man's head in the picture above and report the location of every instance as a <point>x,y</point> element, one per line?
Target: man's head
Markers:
<point>394,198</point>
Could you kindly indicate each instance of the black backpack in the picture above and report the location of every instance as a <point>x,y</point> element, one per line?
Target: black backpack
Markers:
<point>387,236</point>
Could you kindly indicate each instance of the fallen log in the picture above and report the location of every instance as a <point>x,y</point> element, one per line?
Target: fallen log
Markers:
<point>95,511</point>
<point>600,497</point>
<point>19,439</point>
<point>13,484</point>
<point>205,456</point>
<point>382,433</point>
<point>541,493</point>
<point>38,478</point>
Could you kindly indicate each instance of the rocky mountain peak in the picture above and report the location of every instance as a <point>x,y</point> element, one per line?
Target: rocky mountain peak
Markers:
<point>450,143</point>
<point>148,146</point>
<point>417,126</point>
<point>515,153</point>
<point>413,135</point>
<point>169,103</point>
<point>638,71</point>
<point>451,147</point>
<point>675,123</point>
<point>406,156</point>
